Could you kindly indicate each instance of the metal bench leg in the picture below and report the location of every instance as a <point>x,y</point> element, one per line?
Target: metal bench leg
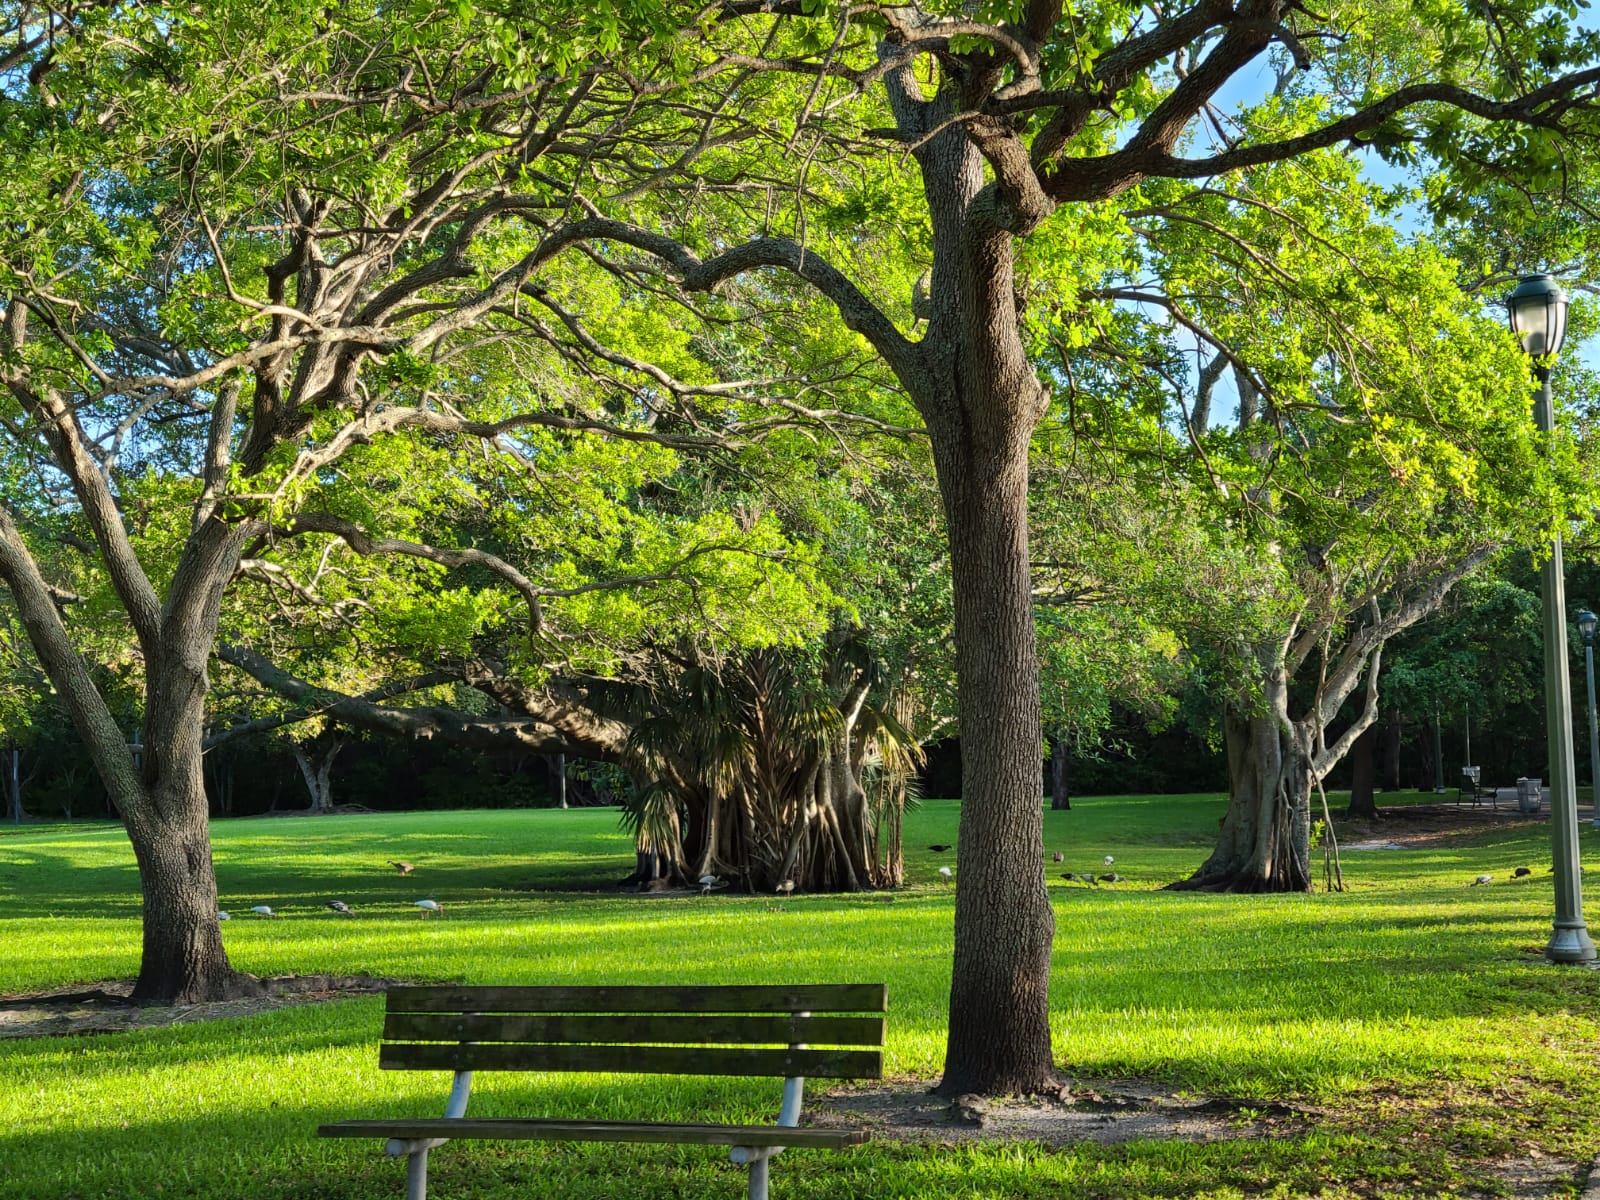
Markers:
<point>416,1149</point>
<point>417,1176</point>
<point>758,1178</point>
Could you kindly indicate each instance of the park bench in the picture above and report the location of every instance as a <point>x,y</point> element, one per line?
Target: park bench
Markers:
<point>1472,786</point>
<point>759,1030</point>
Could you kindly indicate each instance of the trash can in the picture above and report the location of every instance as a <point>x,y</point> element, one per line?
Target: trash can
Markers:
<point>1530,795</point>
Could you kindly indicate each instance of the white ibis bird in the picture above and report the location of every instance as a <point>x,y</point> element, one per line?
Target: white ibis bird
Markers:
<point>262,910</point>
<point>1112,877</point>
<point>339,906</point>
<point>424,907</point>
<point>1058,857</point>
<point>709,883</point>
<point>1108,860</point>
<point>1481,880</point>
<point>404,868</point>
<point>222,916</point>
<point>786,888</point>
<point>944,873</point>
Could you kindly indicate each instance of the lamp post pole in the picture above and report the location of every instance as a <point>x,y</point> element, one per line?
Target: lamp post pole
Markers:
<point>1587,622</point>
<point>1538,309</point>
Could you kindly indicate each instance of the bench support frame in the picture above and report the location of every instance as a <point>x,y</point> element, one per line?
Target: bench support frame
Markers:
<point>416,1149</point>
<point>757,1157</point>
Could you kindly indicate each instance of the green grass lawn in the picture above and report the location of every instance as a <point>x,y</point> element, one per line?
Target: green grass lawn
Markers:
<point>1413,1012</point>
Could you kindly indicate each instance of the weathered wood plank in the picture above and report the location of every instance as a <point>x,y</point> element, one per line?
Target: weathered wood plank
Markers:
<point>600,1131</point>
<point>648,1060</point>
<point>707,1029</point>
<point>734,998</point>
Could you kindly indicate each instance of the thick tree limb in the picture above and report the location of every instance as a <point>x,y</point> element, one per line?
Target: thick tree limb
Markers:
<point>695,275</point>
<point>1102,177</point>
<point>363,543</point>
<point>398,687</point>
<point>528,733</point>
<point>102,736</point>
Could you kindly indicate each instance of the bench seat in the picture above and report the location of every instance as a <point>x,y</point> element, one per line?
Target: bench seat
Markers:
<point>544,1129</point>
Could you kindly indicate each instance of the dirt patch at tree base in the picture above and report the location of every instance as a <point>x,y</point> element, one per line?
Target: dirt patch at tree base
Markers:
<point>1104,1111</point>
<point>106,1007</point>
<point>1109,1112</point>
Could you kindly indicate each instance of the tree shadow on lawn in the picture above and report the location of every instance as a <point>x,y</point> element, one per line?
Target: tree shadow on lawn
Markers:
<point>271,1153</point>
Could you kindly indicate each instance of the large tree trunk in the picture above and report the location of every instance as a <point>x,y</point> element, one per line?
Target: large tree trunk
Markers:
<point>1265,841</point>
<point>1060,793</point>
<point>12,761</point>
<point>1393,738</point>
<point>999,1039</point>
<point>1363,775</point>
<point>183,960</point>
<point>981,399</point>
<point>557,775</point>
<point>316,769</point>
<point>168,821</point>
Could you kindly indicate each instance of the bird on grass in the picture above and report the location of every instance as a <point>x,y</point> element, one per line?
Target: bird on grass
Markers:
<point>1070,877</point>
<point>1108,860</point>
<point>1522,873</point>
<point>939,849</point>
<point>222,916</point>
<point>339,906</point>
<point>1112,877</point>
<point>424,907</point>
<point>944,873</point>
<point>709,883</point>
<point>262,910</point>
<point>1481,880</point>
<point>404,868</point>
<point>786,888</point>
<point>1058,857</point>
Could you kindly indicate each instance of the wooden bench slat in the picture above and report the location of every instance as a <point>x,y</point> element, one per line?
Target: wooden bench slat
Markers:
<point>599,1131</point>
<point>649,1060</point>
<point>717,1029</point>
<point>721,998</point>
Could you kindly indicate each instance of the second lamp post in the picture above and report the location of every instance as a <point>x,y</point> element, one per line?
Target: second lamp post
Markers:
<point>1587,622</point>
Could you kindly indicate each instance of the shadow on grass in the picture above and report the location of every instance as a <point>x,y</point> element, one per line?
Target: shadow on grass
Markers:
<point>272,1154</point>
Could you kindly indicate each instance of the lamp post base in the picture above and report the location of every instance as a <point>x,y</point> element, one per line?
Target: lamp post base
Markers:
<point>1570,944</point>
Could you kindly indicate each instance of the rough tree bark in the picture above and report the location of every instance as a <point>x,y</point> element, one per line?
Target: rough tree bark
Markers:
<point>1264,841</point>
<point>1363,775</point>
<point>980,396</point>
<point>557,776</point>
<point>1060,791</point>
<point>316,769</point>
<point>1393,739</point>
<point>1277,756</point>
<point>795,812</point>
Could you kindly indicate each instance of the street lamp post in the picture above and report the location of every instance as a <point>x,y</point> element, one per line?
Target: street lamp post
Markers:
<point>1538,312</point>
<point>1587,623</point>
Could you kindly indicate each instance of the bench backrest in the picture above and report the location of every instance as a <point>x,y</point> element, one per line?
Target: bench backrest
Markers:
<point>815,1031</point>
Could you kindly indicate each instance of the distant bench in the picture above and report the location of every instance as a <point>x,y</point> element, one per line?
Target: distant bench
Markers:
<point>756,1030</point>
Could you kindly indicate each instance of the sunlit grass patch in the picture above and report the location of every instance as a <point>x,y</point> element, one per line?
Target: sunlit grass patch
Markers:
<point>1402,1008</point>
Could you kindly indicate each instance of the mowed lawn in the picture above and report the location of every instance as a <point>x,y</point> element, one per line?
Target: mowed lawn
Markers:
<point>1412,1014</point>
